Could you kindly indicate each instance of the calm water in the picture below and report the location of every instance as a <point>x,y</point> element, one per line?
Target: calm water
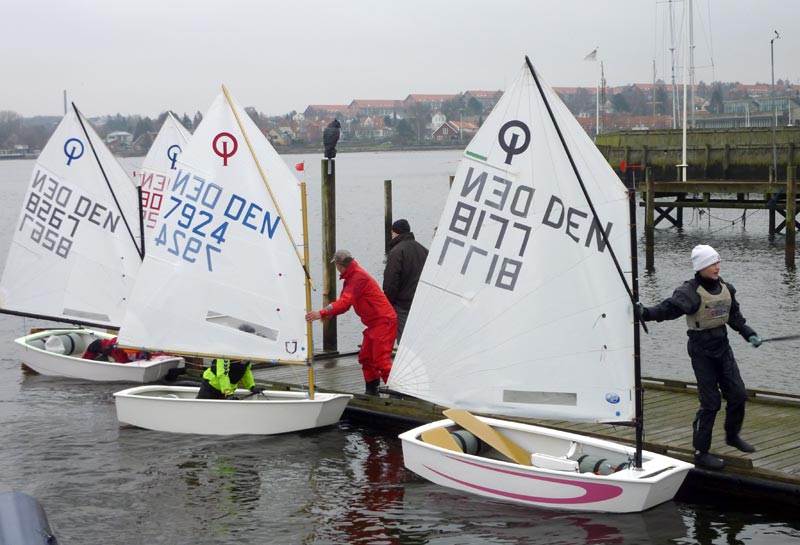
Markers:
<point>102,484</point>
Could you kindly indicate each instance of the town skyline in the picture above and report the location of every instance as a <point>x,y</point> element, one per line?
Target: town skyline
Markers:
<point>139,57</point>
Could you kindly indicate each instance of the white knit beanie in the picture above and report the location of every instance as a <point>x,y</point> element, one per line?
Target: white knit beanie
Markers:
<point>703,256</point>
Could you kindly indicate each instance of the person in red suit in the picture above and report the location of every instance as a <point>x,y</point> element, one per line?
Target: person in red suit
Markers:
<point>363,293</point>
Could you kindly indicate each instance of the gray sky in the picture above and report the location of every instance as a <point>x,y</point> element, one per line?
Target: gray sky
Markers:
<point>146,56</point>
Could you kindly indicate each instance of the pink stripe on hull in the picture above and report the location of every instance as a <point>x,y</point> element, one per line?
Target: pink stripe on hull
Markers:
<point>593,492</point>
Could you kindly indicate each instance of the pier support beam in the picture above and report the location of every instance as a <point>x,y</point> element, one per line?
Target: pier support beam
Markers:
<point>329,276</point>
<point>387,214</point>
<point>791,213</point>
<point>649,221</point>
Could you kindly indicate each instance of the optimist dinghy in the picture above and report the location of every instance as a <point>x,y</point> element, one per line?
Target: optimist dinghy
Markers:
<point>525,309</point>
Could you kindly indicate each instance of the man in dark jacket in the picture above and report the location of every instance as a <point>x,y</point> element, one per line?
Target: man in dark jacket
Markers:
<point>404,262</point>
<point>709,303</point>
<point>362,292</point>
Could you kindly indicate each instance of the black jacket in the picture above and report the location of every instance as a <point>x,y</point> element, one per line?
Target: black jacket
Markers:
<point>686,300</point>
<point>404,264</point>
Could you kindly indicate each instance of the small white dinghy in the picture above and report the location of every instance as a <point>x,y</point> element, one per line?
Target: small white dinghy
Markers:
<point>57,353</point>
<point>525,309</point>
<point>76,251</point>
<point>226,279</point>
<point>175,409</point>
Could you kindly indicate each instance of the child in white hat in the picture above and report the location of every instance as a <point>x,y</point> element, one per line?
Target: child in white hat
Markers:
<point>709,305</point>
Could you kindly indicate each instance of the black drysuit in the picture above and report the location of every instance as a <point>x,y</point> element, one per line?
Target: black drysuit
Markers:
<point>714,366</point>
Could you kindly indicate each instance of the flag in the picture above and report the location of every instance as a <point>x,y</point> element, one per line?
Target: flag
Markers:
<point>300,167</point>
<point>591,56</point>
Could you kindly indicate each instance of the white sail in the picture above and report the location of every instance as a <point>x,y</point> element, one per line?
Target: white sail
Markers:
<point>520,309</point>
<point>157,168</point>
<point>223,277</point>
<point>74,256</point>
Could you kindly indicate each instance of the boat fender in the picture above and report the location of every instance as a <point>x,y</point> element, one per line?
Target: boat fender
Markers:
<point>599,466</point>
<point>467,441</point>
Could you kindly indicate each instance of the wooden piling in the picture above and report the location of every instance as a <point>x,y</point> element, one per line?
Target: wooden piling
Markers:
<point>649,221</point>
<point>387,217</point>
<point>329,276</point>
<point>768,197</point>
<point>791,212</point>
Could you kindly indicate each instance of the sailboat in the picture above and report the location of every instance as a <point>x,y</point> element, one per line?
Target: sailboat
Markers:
<point>525,310</point>
<point>75,253</point>
<point>226,279</point>
<point>156,170</point>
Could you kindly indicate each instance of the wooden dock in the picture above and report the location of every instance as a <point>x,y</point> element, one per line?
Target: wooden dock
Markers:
<point>772,425</point>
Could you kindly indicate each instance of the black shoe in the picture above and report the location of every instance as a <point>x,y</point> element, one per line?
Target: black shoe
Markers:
<point>372,387</point>
<point>708,461</point>
<point>737,442</point>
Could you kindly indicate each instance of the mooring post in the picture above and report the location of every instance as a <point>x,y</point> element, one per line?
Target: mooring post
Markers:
<point>649,220</point>
<point>791,212</point>
<point>329,276</point>
<point>387,214</point>
<point>768,197</point>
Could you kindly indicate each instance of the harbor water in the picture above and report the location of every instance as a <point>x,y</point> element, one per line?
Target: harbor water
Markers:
<point>105,484</point>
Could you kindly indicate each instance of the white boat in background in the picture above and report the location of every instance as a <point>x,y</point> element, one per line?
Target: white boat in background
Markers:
<point>157,169</point>
<point>174,409</point>
<point>76,252</point>
<point>57,352</point>
<point>525,309</point>
<point>225,279</point>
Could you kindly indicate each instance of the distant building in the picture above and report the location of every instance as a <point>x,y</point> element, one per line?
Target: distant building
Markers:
<point>434,102</point>
<point>454,130</point>
<point>119,137</point>
<point>383,108</point>
<point>317,112</point>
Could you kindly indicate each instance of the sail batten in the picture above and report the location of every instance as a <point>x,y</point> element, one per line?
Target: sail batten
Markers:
<point>520,299</point>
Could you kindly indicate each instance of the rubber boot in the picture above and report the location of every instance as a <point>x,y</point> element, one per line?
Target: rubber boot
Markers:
<point>372,387</point>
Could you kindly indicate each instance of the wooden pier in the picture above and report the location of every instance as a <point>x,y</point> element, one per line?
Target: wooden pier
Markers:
<point>772,425</point>
<point>665,201</point>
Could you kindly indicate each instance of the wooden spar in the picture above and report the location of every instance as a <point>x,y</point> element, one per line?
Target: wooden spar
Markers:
<point>489,435</point>
<point>309,329</point>
<point>266,183</point>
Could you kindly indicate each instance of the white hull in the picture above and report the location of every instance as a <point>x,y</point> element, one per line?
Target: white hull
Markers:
<point>175,409</point>
<point>488,474</point>
<point>70,364</point>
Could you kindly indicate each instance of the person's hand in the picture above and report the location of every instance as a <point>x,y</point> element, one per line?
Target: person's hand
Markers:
<point>256,389</point>
<point>755,340</point>
<point>638,310</point>
<point>313,315</point>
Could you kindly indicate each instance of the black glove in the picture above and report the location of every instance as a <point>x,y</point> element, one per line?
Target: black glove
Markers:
<point>256,389</point>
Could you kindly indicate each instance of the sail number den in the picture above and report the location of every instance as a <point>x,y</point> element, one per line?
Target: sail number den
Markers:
<point>53,211</point>
<point>492,223</point>
<point>199,215</point>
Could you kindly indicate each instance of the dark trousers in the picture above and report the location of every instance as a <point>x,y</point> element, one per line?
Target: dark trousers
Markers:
<point>402,316</point>
<point>209,392</point>
<point>715,373</point>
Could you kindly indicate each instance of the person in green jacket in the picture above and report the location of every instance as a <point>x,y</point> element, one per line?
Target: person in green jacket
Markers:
<point>222,378</point>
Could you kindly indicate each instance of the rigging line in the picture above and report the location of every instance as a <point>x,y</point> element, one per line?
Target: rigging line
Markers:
<point>139,250</point>
<point>580,181</point>
<point>269,188</point>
